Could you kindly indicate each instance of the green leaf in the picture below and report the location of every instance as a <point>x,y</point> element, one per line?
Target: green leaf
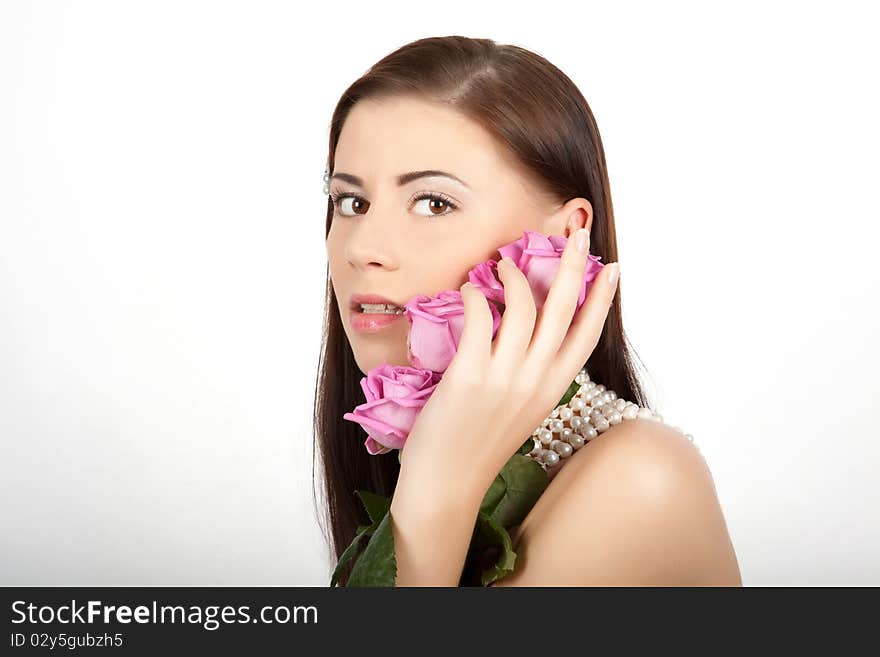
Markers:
<point>572,390</point>
<point>377,565</point>
<point>376,505</point>
<point>515,491</point>
<point>349,553</point>
<point>492,544</point>
<point>493,495</point>
<point>527,446</point>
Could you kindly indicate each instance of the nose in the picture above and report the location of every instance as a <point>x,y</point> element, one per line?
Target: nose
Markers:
<point>373,243</point>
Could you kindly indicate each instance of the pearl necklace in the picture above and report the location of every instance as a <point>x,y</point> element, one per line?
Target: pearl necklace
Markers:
<point>592,410</point>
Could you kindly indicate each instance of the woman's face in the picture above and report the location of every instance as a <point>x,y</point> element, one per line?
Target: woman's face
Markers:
<point>392,240</point>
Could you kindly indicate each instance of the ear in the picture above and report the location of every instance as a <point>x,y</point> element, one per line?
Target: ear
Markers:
<point>576,213</point>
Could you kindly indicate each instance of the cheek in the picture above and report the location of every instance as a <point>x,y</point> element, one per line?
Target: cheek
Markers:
<point>335,271</point>
<point>447,269</point>
<point>335,250</point>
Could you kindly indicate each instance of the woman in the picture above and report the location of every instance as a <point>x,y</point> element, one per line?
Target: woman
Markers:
<point>443,151</point>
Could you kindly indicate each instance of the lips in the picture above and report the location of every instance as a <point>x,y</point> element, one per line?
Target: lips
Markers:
<point>358,299</point>
<point>372,322</point>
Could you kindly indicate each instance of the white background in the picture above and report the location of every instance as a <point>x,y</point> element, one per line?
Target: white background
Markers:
<point>162,268</point>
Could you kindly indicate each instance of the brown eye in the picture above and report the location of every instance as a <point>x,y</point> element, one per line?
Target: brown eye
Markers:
<point>358,204</point>
<point>349,204</point>
<point>438,205</point>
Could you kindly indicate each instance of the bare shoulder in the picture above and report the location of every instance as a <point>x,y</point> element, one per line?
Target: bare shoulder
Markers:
<point>636,506</point>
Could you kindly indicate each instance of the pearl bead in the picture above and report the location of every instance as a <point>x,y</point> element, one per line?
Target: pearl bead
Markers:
<point>591,411</point>
<point>584,389</point>
<point>561,448</point>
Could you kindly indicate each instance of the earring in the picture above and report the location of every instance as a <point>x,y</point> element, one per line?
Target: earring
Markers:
<point>327,179</point>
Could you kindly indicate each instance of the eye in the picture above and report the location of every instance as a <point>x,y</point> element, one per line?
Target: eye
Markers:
<point>358,204</point>
<point>349,204</point>
<point>436,201</point>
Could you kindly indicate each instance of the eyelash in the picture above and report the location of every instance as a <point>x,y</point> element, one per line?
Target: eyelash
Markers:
<point>337,196</point>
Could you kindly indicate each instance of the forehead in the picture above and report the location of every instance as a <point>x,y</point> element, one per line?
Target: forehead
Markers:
<point>383,138</point>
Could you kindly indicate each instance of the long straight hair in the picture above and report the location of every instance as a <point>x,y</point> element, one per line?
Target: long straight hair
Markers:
<point>539,114</point>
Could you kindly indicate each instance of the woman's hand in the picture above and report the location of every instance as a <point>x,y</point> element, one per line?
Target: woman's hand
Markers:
<point>495,393</point>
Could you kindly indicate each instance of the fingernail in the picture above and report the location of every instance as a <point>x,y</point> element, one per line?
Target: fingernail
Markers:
<point>581,239</point>
<point>613,271</point>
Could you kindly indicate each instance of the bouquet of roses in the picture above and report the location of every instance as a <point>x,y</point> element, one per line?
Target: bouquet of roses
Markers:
<point>395,395</point>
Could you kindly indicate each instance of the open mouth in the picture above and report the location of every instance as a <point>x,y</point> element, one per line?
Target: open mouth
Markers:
<point>371,318</point>
<point>378,309</point>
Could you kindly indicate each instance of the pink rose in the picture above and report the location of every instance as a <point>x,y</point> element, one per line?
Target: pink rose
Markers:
<point>395,394</point>
<point>538,257</point>
<point>436,324</point>
<point>484,277</point>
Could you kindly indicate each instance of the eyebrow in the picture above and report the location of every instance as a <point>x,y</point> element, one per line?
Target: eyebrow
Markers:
<point>403,178</point>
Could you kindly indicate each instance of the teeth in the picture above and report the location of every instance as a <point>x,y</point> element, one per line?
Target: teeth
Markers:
<point>381,309</point>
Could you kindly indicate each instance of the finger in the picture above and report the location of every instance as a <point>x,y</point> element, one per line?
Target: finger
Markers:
<point>475,343</point>
<point>517,322</point>
<point>558,309</point>
<point>586,329</point>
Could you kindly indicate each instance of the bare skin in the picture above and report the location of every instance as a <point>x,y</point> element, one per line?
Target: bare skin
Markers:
<point>397,247</point>
<point>635,506</point>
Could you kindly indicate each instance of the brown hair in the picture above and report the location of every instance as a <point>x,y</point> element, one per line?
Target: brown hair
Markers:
<point>538,113</point>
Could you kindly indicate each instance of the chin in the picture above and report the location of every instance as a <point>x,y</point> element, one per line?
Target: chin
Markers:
<point>366,366</point>
<point>368,358</point>
<point>372,350</point>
